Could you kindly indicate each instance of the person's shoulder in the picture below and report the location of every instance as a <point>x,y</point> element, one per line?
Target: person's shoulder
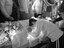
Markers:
<point>43,20</point>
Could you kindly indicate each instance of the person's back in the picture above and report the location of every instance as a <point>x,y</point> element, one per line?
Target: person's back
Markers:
<point>53,31</point>
<point>49,30</point>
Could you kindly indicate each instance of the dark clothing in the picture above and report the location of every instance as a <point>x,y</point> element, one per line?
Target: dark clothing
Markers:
<point>62,41</point>
<point>43,44</point>
<point>24,16</point>
<point>31,21</point>
<point>61,8</point>
<point>3,18</point>
<point>58,19</point>
<point>49,9</point>
<point>14,13</point>
<point>15,10</point>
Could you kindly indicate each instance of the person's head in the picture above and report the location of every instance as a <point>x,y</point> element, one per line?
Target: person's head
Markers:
<point>32,21</point>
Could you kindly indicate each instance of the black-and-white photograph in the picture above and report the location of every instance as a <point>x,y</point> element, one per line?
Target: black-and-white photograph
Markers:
<point>31,23</point>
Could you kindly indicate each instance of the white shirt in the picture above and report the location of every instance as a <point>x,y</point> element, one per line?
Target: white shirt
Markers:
<point>50,29</point>
<point>37,6</point>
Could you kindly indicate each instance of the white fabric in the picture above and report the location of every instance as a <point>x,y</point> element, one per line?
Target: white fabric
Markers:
<point>48,18</point>
<point>37,6</point>
<point>3,38</point>
<point>31,35</point>
<point>19,39</point>
<point>53,32</point>
<point>31,38</point>
<point>12,33</point>
<point>41,36</point>
<point>34,18</point>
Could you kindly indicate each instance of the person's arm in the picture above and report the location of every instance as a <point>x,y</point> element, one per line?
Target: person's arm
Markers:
<point>6,14</point>
<point>4,11</point>
<point>53,31</point>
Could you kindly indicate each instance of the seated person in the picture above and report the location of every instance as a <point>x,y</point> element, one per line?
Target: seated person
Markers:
<point>49,30</point>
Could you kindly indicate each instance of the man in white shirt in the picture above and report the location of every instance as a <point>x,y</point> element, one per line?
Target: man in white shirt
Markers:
<point>49,29</point>
<point>46,29</point>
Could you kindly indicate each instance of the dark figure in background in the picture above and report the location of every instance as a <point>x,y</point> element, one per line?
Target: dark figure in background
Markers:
<point>61,8</point>
<point>23,15</point>
<point>23,10</point>
<point>15,10</point>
